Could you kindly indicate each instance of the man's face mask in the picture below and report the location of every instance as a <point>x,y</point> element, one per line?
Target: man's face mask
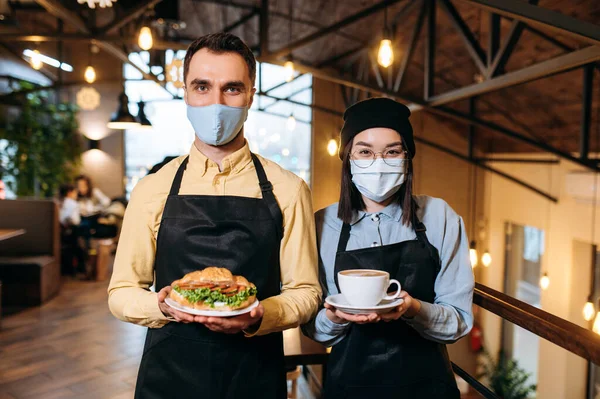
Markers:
<point>217,124</point>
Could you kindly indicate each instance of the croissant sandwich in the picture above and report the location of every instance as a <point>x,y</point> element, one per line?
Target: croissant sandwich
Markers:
<point>213,288</point>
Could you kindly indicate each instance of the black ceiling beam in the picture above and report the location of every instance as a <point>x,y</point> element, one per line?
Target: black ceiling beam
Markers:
<point>544,146</point>
<point>375,68</point>
<point>471,134</point>
<point>277,86</point>
<point>543,17</point>
<point>540,70</point>
<point>331,28</point>
<point>263,28</point>
<point>55,8</point>
<point>410,48</point>
<point>471,43</point>
<point>405,10</point>
<point>132,15</point>
<point>430,39</point>
<point>509,44</point>
<point>486,167</point>
<point>241,21</point>
<point>493,38</point>
<point>228,3</point>
<point>586,111</point>
<point>520,160</point>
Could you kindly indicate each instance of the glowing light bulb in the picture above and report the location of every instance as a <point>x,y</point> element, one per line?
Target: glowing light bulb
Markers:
<point>36,60</point>
<point>486,259</point>
<point>385,56</point>
<point>473,257</point>
<point>545,281</point>
<point>588,311</point>
<point>289,71</point>
<point>596,327</point>
<point>145,40</point>
<point>90,74</point>
<point>291,123</point>
<point>332,147</point>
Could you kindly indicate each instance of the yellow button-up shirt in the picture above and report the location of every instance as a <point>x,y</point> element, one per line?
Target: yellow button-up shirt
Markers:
<point>130,298</point>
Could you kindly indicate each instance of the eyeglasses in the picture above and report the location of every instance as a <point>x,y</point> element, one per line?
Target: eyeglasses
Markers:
<point>365,154</point>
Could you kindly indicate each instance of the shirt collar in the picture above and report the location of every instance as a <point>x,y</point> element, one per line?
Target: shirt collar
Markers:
<point>392,211</point>
<point>232,163</point>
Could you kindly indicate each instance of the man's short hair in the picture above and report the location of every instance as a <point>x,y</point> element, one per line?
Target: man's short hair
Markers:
<point>220,43</point>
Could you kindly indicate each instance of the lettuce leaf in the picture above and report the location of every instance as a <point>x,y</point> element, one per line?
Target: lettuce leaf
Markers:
<point>210,297</point>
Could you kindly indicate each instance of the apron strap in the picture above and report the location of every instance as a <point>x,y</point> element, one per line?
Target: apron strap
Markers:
<point>344,237</point>
<point>178,177</point>
<point>267,193</point>
<point>420,230</point>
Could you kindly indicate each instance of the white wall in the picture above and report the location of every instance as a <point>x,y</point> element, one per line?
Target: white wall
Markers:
<point>561,374</point>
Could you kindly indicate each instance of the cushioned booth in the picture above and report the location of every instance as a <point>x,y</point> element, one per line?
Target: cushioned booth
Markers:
<point>30,263</point>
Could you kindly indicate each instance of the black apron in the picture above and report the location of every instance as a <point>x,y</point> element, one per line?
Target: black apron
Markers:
<point>243,235</point>
<point>391,360</point>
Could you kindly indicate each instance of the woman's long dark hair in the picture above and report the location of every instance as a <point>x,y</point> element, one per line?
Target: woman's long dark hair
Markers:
<point>351,200</point>
<point>89,184</point>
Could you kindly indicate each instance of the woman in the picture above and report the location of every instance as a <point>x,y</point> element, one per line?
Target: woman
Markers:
<point>91,200</point>
<point>419,240</point>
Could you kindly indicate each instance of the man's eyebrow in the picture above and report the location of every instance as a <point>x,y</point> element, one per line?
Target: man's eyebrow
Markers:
<point>200,82</point>
<point>235,83</point>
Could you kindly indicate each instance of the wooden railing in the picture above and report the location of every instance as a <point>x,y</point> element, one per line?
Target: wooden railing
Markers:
<point>561,332</point>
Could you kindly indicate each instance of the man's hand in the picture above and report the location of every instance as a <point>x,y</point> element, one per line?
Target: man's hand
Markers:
<point>169,311</point>
<point>227,325</point>
<point>232,325</point>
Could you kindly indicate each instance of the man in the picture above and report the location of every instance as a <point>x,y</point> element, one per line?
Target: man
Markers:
<point>219,206</point>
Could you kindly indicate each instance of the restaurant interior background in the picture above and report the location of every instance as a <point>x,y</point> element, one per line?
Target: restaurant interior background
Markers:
<point>505,100</point>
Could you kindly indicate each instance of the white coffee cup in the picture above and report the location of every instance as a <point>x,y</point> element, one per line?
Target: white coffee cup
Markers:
<point>366,287</point>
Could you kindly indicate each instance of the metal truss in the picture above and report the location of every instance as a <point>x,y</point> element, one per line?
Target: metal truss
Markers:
<point>361,77</point>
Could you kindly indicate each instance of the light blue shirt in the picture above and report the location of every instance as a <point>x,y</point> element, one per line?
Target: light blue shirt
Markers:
<point>450,315</point>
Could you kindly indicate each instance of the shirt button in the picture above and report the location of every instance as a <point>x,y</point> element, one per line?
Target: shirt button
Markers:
<point>375,244</point>
<point>375,218</point>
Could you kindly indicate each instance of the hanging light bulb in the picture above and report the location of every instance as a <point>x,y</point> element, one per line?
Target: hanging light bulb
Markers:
<point>36,60</point>
<point>545,281</point>
<point>473,254</point>
<point>90,74</point>
<point>291,123</point>
<point>332,147</point>
<point>385,56</point>
<point>145,39</point>
<point>486,258</point>
<point>596,327</point>
<point>289,71</point>
<point>588,310</point>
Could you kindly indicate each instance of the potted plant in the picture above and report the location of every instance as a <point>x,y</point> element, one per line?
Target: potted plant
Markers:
<point>42,148</point>
<point>505,377</point>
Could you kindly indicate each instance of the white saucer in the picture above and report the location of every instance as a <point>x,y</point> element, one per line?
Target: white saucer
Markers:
<point>212,313</point>
<point>339,302</point>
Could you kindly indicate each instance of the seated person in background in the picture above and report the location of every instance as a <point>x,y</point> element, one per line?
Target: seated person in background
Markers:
<point>72,253</point>
<point>91,199</point>
<point>69,208</point>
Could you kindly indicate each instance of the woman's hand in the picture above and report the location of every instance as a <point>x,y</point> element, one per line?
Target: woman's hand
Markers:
<point>409,308</point>
<point>339,317</point>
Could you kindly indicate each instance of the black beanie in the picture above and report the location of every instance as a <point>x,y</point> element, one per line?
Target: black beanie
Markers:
<point>377,112</point>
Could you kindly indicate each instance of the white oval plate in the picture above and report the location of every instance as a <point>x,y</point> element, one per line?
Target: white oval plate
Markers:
<point>211,313</point>
<point>339,301</point>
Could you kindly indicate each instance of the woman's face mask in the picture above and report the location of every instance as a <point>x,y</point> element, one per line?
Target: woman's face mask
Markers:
<point>378,180</point>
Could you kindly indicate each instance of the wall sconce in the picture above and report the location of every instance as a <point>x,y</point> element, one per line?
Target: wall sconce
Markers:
<point>93,144</point>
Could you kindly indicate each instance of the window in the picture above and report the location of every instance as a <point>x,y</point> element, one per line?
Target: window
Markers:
<point>268,129</point>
